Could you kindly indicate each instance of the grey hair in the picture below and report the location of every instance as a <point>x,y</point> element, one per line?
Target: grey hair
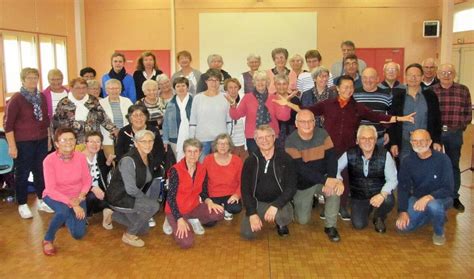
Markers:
<point>192,143</point>
<point>394,63</point>
<point>112,81</point>
<point>221,137</point>
<point>319,70</point>
<point>253,56</point>
<point>148,83</point>
<point>281,77</point>
<point>263,128</point>
<point>212,57</point>
<point>142,133</point>
<point>162,77</point>
<point>92,83</point>
<point>366,127</point>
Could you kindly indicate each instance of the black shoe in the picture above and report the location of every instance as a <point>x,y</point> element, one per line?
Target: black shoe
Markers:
<point>282,230</point>
<point>321,215</point>
<point>210,224</point>
<point>458,205</point>
<point>344,213</point>
<point>379,225</point>
<point>332,234</point>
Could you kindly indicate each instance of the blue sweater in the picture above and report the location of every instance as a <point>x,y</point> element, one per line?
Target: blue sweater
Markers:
<point>420,177</point>
<point>128,90</point>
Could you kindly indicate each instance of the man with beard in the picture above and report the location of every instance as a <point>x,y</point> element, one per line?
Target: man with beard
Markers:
<point>425,188</point>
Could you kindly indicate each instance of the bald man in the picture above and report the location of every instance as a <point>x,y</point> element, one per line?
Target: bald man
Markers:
<point>456,114</point>
<point>315,161</point>
<point>425,188</point>
<point>391,73</point>
<point>430,68</point>
<point>376,98</point>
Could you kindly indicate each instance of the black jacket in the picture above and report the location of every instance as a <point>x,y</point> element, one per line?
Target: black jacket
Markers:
<point>285,175</point>
<point>434,116</point>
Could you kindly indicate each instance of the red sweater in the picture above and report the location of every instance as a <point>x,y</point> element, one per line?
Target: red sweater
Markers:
<point>184,194</point>
<point>223,180</point>
<point>20,120</point>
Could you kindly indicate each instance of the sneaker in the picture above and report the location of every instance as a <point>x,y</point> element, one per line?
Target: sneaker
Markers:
<point>332,234</point>
<point>25,211</point>
<point>439,239</point>
<point>44,207</point>
<point>132,240</point>
<point>457,204</point>
<point>321,215</point>
<point>282,230</point>
<point>107,218</point>
<point>344,213</point>
<point>379,225</point>
<point>151,223</point>
<point>228,216</point>
<point>197,227</point>
<point>48,248</point>
<point>321,199</point>
<point>167,229</point>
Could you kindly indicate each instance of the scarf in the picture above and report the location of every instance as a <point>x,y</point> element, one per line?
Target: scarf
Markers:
<point>263,116</point>
<point>120,76</point>
<point>342,103</point>
<point>35,100</point>
<point>183,129</point>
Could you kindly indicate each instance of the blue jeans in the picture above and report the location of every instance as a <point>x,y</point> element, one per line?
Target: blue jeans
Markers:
<point>452,141</point>
<point>206,149</point>
<point>64,214</point>
<point>435,212</point>
<point>30,159</point>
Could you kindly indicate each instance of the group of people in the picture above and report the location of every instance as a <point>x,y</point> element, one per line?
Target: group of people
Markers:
<point>270,142</point>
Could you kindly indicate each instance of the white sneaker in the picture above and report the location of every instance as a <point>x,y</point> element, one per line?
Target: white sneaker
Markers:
<point>151,223</point>
<point>25,211</point>
<point>41,205</point>
<point>197,227</point>
<point>167,229</point>
<point>107,219</point>
<point>228,216</point>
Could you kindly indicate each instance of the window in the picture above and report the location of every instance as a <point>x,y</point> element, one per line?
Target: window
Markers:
<point>19,51</point>
<point>463,20</point>
<point>53,55</point>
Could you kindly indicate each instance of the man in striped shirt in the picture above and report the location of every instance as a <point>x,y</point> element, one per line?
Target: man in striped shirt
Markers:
<point>376,98</point>
<point>456,114</point>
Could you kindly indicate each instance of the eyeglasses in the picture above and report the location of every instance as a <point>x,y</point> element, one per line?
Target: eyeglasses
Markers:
<point>213,80</point>
<point>267,137</point>
<point>367,139</point>
<point>305,121</point>
<point>67,140</point>
<point>391,70</point>
<point>445,73</point>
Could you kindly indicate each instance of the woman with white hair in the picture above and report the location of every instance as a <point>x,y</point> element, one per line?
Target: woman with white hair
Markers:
<point>55,91</point>
<point>131,192</point>
<point>246,79</point>
<point>259,109</point>
<point>115,106</point>
<point>165,89</point>
<point>319,93</point>
<point>93,88</point>
<point>153,103</point>
<point>216,62</point>
<point>296,65</point>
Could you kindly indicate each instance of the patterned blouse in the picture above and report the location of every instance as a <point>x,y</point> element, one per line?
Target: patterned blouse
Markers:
<point>64,116</point>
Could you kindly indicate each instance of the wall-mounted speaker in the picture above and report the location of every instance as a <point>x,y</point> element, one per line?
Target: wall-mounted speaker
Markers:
<point>431,29</point>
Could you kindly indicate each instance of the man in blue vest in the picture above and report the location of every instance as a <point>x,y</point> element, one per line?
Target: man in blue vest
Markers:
<point>372,178</point>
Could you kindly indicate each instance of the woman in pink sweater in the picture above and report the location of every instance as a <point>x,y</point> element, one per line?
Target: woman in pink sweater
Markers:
<point>259,109</point>
<point>67,182</point>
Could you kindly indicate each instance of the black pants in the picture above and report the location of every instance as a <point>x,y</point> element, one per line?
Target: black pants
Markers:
<point>233,208</point>
<point>361,210</point>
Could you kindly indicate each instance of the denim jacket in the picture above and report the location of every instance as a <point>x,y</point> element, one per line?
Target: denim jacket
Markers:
<point>172,120</point>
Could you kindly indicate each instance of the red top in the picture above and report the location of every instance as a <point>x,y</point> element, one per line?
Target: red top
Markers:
<point>223,180</point>
<point>20,120</point>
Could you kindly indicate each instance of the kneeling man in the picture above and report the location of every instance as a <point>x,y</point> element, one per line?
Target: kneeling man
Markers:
<point>425,189</point>
<point>372,178</point>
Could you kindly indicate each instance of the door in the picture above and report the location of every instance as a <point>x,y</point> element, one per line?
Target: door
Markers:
<point>377,57</point>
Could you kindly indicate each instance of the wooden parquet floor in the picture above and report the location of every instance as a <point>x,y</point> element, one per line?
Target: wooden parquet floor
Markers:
<point>221,253</point>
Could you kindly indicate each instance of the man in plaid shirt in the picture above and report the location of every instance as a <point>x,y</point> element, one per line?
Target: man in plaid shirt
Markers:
<point>456,114</point>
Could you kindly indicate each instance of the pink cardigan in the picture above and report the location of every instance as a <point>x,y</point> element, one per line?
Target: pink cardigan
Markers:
<point>49,100</point>
<point>248,108</point>
<point>66,180</point>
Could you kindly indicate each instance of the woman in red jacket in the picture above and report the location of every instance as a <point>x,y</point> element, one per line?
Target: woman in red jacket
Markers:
<point>223,176</point>
<point>188,198</point>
